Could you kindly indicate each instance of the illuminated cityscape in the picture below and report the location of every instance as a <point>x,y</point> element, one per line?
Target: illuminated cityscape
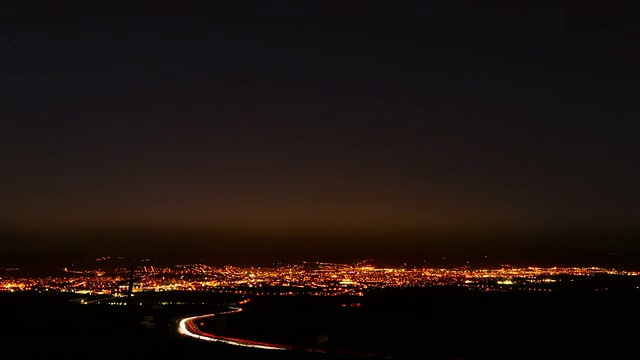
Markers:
<point>312,278</point>
<point>312,309</point>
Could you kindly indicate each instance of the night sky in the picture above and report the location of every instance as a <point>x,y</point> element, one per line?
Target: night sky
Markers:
<point>336,130</point>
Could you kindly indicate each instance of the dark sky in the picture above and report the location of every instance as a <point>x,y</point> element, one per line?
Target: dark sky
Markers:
<point>319,128</point>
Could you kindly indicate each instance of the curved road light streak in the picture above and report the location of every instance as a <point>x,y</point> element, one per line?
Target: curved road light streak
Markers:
<point>188,327</point>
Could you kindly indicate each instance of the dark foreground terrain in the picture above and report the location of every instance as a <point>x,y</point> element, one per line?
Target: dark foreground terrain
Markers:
<point>435,323</point>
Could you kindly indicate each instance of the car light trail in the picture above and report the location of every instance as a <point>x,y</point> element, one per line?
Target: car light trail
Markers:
<point>188,327</point>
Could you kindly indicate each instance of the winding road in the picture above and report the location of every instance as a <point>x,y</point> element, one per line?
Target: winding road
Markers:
<point>188,326</point>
